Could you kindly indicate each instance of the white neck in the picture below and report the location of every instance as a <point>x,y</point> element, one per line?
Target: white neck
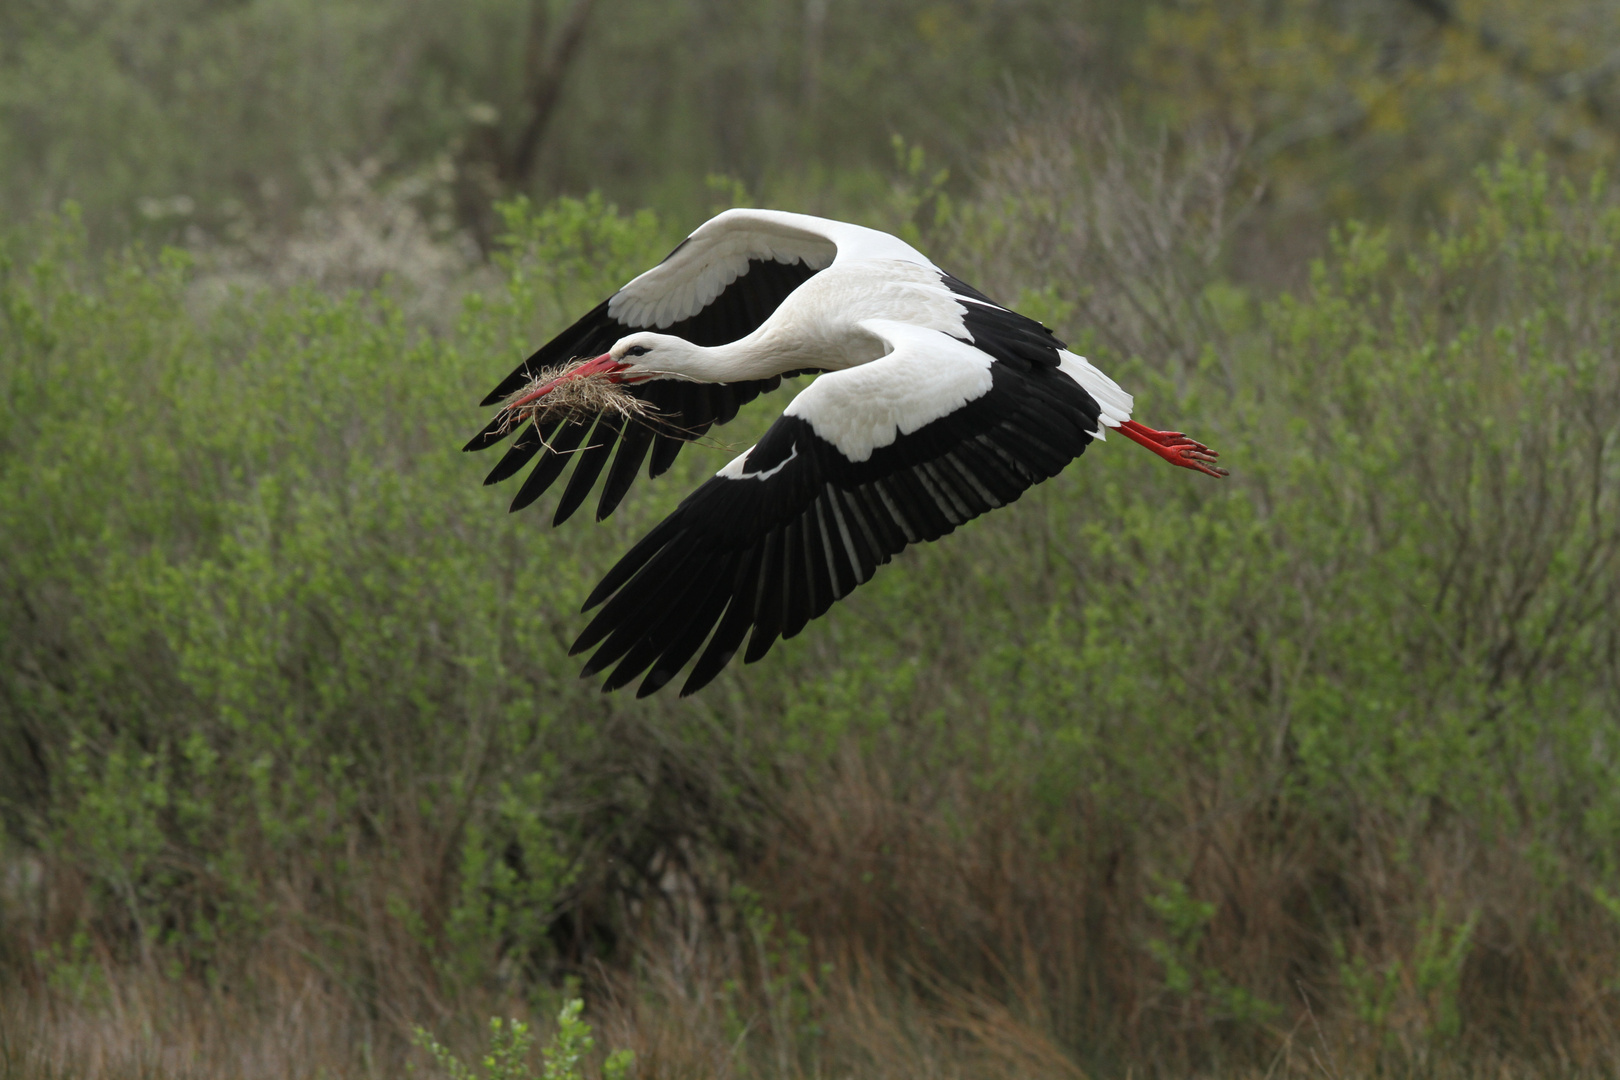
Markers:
<point>752,357</point>
<point>771,350</point>
<point>758,356</point>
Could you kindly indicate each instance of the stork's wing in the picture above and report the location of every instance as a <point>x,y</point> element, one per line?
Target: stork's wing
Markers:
<point>862,463</point>
<point>719,285</point>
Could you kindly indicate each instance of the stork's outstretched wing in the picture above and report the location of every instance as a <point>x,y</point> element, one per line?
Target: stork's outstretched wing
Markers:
<point>719,285</point>
<point>863,462</point>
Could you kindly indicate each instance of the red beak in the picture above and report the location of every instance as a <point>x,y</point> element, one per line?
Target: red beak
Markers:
<point>603,363</point>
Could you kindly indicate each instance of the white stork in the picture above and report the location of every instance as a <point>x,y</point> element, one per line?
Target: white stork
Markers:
<point>933,405</point>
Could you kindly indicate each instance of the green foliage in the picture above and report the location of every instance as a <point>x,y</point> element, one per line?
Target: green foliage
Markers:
<point>168,117</point>
<point>784,984</point>
<point>1371,990</point>
<point>511,1040</point>
<point>1186,920</point>
<point>509,1048</point>
<point>1432,976</point>
<point>558,260</point>
<point>918,188</point>
<point>274,663</point>
<point>278,677</point>
<point>72,970</point>
<point>1441,952</point>
<point>191,119</point>
<point>1381,109</point>
<point>262,613</point>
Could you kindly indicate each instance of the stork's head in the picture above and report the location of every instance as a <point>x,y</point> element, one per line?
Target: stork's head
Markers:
<point>639,356</point>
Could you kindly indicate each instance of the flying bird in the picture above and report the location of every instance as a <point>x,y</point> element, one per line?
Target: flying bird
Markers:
<point>932,405</point>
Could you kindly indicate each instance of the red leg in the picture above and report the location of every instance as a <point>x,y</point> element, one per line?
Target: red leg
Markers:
<point>1174,447</point>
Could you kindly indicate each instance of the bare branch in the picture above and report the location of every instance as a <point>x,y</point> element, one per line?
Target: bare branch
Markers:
<point>546,79</point>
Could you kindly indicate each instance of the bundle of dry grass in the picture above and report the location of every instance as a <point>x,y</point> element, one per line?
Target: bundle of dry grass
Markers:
<point>571,395</point>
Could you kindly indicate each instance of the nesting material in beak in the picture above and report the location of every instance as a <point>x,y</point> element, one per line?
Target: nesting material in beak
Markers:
<point>578,389</point>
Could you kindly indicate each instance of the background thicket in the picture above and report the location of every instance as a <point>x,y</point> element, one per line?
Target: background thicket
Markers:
<point>1308,772</point>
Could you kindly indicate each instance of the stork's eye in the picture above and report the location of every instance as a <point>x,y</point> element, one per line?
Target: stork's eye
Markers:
<point>637,350</point>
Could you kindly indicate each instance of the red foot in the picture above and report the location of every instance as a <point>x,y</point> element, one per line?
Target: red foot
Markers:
<point>1174,447</point>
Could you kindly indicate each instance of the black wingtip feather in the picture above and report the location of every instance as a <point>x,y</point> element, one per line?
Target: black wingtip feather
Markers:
<point>692,600</point>
<point>655,681</point>
<point>662,567</point>
<point>734,624</point>
<point>522,451</point>
<point>659,593</point>
<point>588,468</point>
<point>796,584</point>
<point>759,643</point>
<point>703,674</point>
<point>665,449</point>
<point>552,463</point>
<point>688,638</point>
<point>633,447</point>
<point>491,434</point>
<point>665,532</point>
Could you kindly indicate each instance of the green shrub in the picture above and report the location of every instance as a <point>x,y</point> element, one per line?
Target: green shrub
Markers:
<point>262,619</point>
<point>511,1040</point>
<point>273,662</point>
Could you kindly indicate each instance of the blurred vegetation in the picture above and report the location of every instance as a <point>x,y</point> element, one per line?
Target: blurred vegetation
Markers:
<point>1311,771</point>
<point>1380,109</point>
<point>215,117</point>
<point>203,112</point>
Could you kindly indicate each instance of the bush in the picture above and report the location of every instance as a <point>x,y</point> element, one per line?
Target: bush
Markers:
<point>1141,771</point>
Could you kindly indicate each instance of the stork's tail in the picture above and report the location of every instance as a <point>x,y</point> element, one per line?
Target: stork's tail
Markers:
<point>1115,403</point>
